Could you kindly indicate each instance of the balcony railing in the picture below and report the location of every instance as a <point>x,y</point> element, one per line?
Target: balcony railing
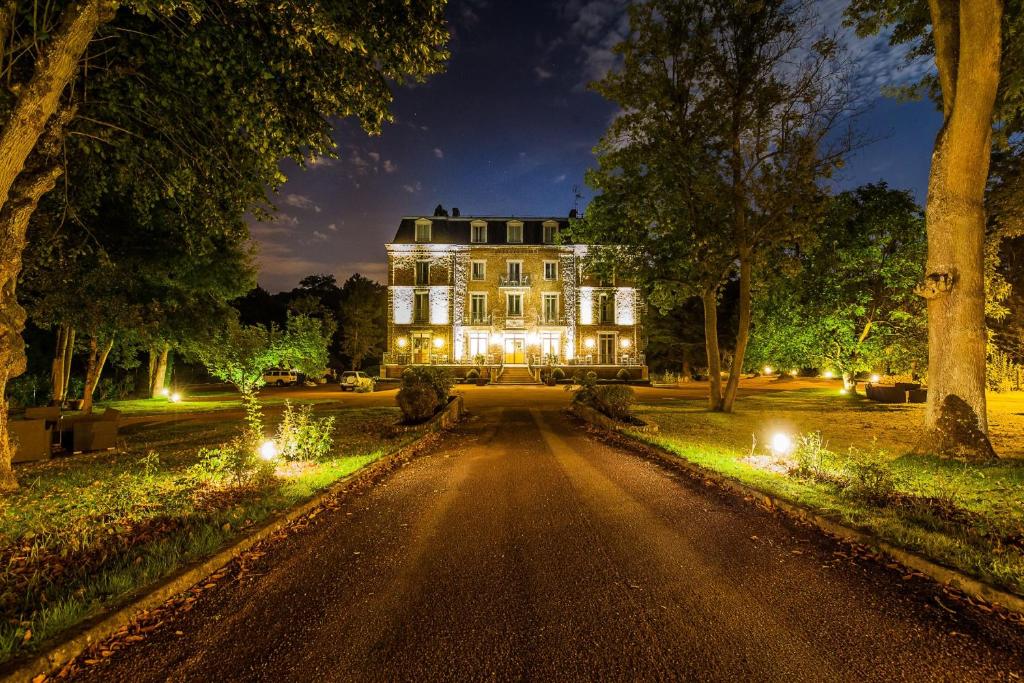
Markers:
<point>480,319</point>
<point>523,280</point>
<point>556,320</point>
<point>440,359</point>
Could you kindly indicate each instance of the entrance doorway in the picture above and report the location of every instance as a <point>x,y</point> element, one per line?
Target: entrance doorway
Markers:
<point>606,348</point>
<point>420,347</point>
<point>515,349</point>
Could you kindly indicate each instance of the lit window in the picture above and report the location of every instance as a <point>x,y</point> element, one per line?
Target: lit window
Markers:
<point>515,233</point>
<point>423,231</point>
<point>478,233</point>
<point>479,271</point>
<point>550,270</point>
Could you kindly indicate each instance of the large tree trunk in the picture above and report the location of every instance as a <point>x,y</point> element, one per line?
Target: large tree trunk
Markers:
<point>710,299</point>
<point>159,372</point>
<point>742,331</point>
<point>14,216</point>
<point>968,49</point>
<point>93,370</point>
<point>69,353</point>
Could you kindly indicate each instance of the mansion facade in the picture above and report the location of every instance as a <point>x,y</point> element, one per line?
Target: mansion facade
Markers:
<point>494,292</point>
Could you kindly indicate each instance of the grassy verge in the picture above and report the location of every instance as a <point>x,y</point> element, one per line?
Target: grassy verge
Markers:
<point>863,472</point>
<point>84,531</point>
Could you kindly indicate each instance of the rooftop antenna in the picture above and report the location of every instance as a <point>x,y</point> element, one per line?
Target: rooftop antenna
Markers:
<point>576,197</point>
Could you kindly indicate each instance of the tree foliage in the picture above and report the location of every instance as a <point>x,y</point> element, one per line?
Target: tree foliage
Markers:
<point>844,299</point>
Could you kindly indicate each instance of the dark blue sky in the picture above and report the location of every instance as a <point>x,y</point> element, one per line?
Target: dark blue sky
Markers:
<point>509,129</point>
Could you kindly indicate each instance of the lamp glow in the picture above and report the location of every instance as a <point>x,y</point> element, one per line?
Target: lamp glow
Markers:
<point>175,397</point>
<point>782,444</point>
<point>828,374</point>
<point>794,372</point>
<point>768,369</point>
<point>438,342</point>
<point>589,342</point>
<point>843,392</point>
<point>625,342</point>
<point>402,342</point>
<point>165,391</point>
<point>875,379</point>
<point>268,451</point>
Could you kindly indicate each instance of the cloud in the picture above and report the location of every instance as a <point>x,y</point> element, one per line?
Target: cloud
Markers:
<point>560,179</point>
<point>315,163</point>
<point>597,26</point>
<point>319,236</point>
<point>300,201</point>
<point>413,188</point>
<point>439,153</point>
<point>286,219</point>
<point>370,162</point>
<point>542,73</point>
<point>332,227</point>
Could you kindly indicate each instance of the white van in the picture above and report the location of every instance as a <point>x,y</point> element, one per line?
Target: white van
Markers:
<point>279,378</point>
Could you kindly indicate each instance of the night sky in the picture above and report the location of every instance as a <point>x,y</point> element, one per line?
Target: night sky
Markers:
<point>509,129</point>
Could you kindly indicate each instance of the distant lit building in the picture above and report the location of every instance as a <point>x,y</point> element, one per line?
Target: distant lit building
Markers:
<point>502,292</point>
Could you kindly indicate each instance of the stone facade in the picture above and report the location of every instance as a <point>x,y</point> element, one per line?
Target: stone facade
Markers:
<point>471,291</point>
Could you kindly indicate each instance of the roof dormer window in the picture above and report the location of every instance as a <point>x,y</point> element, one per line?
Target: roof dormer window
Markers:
<point>550,232</point>
<point>423,231</point>
<point>478,232</point>
<point>514,232</point>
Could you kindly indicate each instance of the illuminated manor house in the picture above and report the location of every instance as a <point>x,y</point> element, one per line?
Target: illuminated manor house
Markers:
<point>502,295</point>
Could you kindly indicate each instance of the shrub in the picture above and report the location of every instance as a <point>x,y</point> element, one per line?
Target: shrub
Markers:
<point>592,376</point>
<point>418,402</point>
<point>28,390</point>
<point>300,436</point>
<point>812,458</point>
<point>438,379</point>
<point>667,377</point>
<point>558,374</point>
<point>616,401</point>
<point>472,373</point>
<point>584,388</point>
<point>870,479</point>
<point>1002,373</point>
<point>622,375</point>
<point>236,460</point>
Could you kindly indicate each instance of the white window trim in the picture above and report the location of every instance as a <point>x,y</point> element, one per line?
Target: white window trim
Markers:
<point>472,227</point>
<point>429,225</point>
<point>558,303</point>
<point>483,276</point>
<point>508,228</point>
<point>555,264</point>
<point>554,232</point>
<point>508,297</point>
<point>508,271</point>
<point>475,294</point>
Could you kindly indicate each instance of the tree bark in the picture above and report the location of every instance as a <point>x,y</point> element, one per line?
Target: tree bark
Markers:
<point>14,217</point>
<point>69,353</point>
<point>93,370</point>
<point>968,46</point>
<point>159,372</point>
<point>742,331</point>
<point>710,299</point>
<point>39,99</point>
<point>57,371</point>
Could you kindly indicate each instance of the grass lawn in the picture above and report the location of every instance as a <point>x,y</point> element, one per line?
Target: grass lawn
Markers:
<point>199,403</point>
<point>85,530</point>
<point>969,516</point>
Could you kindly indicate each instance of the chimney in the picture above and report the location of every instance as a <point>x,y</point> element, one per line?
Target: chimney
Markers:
<point>573,213</point>
<point>455,212</point>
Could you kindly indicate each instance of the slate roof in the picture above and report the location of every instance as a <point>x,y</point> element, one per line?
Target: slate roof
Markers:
<point>456,230</point>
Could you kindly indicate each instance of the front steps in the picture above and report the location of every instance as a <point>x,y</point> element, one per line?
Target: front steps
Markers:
<point>516,375</point>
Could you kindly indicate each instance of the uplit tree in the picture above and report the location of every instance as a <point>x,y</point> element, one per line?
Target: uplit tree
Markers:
<point>973,44</point>
<point>842,299</point>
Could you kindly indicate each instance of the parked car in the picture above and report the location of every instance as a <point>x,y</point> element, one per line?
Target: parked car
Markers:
<point>280,378</point>
<point>352,380</point>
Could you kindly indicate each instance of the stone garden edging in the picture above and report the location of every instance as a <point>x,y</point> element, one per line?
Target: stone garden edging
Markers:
<point>102,626</point>
<point>942,574</point>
